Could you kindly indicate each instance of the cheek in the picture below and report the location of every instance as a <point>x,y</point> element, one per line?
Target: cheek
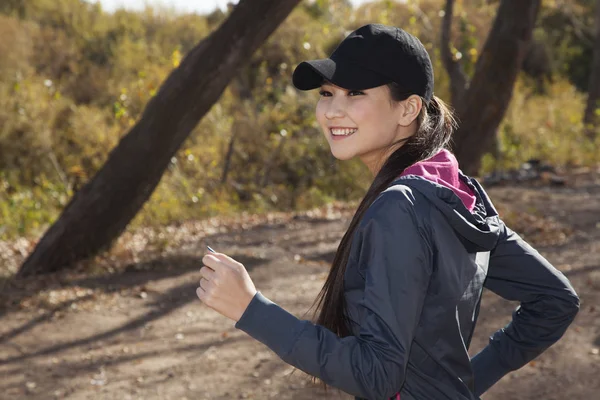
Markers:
<point>320,113</point>
<point>363,115</point>
<point>372,117</point>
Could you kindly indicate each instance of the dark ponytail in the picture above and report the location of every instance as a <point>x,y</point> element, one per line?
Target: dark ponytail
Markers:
<point>435,126</point>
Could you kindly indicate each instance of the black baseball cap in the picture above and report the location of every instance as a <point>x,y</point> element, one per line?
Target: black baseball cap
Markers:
<point>371,56</point>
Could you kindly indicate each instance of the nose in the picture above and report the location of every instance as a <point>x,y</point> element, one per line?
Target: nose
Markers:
<point>335,108</point>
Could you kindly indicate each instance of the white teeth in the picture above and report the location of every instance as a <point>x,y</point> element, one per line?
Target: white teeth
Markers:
<point>342,132</point>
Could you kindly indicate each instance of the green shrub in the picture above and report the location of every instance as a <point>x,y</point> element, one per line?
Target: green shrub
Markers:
<point>74,79</point>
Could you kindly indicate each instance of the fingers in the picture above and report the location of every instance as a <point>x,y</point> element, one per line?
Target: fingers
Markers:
<point>229,260</point>
<point>205,286</point>
<point>208,276</point>
<point>219,260</point>
<point>207,272</point>
<point>200,293</point>
<point>210,260</point>
<point>205,291</point>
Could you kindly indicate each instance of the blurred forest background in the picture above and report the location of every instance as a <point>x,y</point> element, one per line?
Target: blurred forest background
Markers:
<point>74,79</point>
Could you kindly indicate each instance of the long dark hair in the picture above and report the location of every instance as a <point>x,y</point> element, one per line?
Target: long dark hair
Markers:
<point>435,126</point>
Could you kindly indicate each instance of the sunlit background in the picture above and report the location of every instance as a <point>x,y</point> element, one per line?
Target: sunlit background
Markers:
<point>199,6</point>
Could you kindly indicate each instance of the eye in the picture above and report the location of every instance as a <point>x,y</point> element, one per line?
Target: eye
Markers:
<point>355,93</point>
<point>324,93</point>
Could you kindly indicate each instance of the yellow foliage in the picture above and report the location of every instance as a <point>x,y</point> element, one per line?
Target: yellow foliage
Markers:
<point>548,127</point>
<point>176,58</point>
<point>74,80</point>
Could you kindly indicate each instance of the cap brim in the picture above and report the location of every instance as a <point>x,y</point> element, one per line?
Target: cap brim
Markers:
<point>311,74</point>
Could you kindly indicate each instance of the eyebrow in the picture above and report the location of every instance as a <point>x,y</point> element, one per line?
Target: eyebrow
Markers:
<point>335,86</point>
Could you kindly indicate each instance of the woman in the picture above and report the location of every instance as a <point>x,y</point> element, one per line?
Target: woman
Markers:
<point>399,306</point>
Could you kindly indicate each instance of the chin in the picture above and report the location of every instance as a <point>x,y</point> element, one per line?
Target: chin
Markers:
<point>342,156</point>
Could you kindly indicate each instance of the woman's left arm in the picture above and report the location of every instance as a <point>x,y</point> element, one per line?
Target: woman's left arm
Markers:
<point>396,262</point>
<point>548,305</point>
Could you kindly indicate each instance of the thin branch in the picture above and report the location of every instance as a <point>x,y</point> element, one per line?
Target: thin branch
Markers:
<point>590,117</point>
<point>458,78</point>
<point>430,32</point>
<point>582,32</point>
<point>61,174</point>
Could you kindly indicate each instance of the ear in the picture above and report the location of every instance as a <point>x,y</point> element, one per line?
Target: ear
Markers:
<point>410,109</point>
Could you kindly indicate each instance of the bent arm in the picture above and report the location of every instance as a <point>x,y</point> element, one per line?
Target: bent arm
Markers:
<point>397,268</point>
<point>548,305</point>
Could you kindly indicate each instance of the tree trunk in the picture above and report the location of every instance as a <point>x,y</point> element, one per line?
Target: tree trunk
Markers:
<point>102,209</point>
<point>458,78</point>
<point>228,156</point>
<point>591,119</point>
<point>483,105</point>
<point>270,164</point>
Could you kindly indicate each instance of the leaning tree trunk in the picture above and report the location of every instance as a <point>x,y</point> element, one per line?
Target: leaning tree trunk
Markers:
<point>101,210</point>
<point>591,119</point>
<point>482,106</point>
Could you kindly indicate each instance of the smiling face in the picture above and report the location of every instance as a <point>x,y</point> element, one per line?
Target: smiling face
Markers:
<point>365,123</point>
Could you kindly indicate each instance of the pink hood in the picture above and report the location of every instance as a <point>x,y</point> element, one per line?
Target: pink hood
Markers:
<point>443,169</point>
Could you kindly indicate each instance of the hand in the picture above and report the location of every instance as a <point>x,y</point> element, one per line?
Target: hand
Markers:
<point>225,285</point>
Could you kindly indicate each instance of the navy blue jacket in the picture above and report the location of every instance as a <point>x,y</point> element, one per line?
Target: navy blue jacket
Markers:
<point>419,261</point>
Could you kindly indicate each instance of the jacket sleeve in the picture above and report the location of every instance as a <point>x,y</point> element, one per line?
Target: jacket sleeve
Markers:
<point>548,305</point>
<point>396,264</point>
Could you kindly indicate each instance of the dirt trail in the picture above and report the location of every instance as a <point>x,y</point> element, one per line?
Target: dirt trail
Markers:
<point>141,333</point>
